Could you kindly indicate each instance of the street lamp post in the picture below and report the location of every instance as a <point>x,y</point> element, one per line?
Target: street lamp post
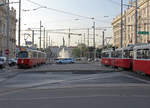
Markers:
<point>40,42</point>
<point>33,38</point>
<point>19,23</point>
<point>121,35</point>
<point>94,44</point>
<point>103,39</point>
<point>136,21</point>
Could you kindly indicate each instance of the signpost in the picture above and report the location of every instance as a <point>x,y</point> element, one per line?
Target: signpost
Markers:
<point>143,33</point>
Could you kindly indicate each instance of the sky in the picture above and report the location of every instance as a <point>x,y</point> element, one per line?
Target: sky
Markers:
<point>57,20</point>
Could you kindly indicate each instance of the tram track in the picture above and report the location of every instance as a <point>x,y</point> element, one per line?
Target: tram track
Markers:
<point>63,82</point>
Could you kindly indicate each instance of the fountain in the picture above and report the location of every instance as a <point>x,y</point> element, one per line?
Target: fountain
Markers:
<point>64,54</point>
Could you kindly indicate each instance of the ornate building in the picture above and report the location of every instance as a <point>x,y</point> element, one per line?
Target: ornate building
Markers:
<point>129,24</point>
<point>12,30</point>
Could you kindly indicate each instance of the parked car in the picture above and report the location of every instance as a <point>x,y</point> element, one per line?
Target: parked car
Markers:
<point>2,62</point>
<point>12,62</point>
<point>65,61</point>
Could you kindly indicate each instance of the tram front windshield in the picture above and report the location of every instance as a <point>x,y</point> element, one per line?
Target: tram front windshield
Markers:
<point>23,54</point>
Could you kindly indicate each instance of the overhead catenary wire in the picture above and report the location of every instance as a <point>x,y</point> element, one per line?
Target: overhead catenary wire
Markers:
<point>60,11</point>
<point>114,2</point>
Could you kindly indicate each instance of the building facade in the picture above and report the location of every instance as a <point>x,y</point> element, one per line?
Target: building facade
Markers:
<point>3,30</point>
<point>143,24</point>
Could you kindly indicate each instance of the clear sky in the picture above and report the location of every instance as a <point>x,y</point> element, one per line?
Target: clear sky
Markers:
<point>55,20</point>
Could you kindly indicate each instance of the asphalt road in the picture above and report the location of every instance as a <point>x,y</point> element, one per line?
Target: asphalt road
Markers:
<point>80,97</point>
<point>118,89</point>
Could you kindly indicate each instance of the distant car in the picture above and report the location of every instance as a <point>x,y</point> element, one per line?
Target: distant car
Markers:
<point>78,59</point>
<point>97,59</point>
<point>12,62</point>
<point>2,62</point>
<point>65,61</point>
<point>90,60</point>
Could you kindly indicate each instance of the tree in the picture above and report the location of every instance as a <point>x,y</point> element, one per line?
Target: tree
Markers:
<point>76,52</point>
<point>80,51</point>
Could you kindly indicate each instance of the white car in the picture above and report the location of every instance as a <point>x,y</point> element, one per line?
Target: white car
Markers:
<point>2,62</point>
<point>12,62</point>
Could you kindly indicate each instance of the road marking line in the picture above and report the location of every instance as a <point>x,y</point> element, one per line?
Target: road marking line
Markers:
<point>136,78</point>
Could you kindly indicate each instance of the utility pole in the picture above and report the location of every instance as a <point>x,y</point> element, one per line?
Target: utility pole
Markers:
<point>94,44</point>
<point>49,40</point>
<point>44,40</point>
<point>121,35</point>
<point>19,24</point>
<point>40,34</point>
<point>32,37</point>
<point>7,30</point>
<point>103,40</point>
<point>136,21</point>
<point>88,41</point>
<point>84,39</point>
<point>69,38</point>
<point>125,29</point>
<point>148,20</point>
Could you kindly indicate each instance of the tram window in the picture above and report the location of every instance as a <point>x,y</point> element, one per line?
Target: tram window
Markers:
<point>29,54</point>
<point>35,54</point>
<point>143,54</point>
<point>39,55</point>
<point>113,54</point>
<point>131,54</point>
<point>146,54</point>
<point>105,54</point>
<point>23,54</point>
<point>118,54</point>
<point>128,54</point>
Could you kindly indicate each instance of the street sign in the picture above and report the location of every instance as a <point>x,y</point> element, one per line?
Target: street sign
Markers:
<point>7,52</point>
<point>143,32</point>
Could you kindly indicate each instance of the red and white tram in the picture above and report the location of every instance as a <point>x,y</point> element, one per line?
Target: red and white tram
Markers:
<point>136,58</point>
<point>141,61</point>
<point>29,58</point>
<point>107,58</point>
<point>123,57</point>
<point>119,58</point>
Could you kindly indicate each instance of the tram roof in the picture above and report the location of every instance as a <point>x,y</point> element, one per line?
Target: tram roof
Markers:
<point>145,46</point>
<point>110,50</point>
<point>27,49</point>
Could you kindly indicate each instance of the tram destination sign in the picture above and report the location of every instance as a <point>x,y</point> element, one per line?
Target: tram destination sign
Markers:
<point>143,32</point>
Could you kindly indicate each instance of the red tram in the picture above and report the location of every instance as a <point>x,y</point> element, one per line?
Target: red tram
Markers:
<point>136,58</point>
<point>107,58</point>
<point>141,61</point>
<point>121,58</point>
<point>30,58</point>
<point>124,57</point>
